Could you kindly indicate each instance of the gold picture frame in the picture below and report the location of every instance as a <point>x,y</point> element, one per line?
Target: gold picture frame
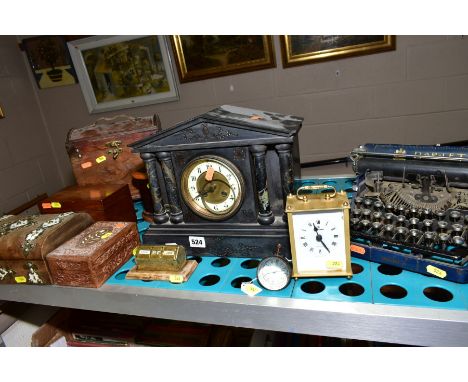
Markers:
<point>202,57</point>
<point>301,50</point>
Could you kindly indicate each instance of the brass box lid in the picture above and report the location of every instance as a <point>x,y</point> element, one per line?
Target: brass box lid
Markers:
<point>169,257</point>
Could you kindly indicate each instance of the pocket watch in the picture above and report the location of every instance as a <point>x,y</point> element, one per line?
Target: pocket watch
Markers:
<point>274,272</point>
<point>319,232</point>
<point>212,187</point>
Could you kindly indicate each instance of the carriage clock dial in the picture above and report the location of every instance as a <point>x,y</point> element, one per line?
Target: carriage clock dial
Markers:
<point>319,233</point>
<point>212,187</point>
<point>274,273</point>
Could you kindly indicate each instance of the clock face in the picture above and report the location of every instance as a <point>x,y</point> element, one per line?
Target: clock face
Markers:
<point>320,241</point>
<point>274,273</point>
<point>212,187</point>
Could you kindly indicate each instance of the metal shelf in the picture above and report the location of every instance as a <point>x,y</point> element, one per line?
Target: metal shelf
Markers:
<point>373,322</point>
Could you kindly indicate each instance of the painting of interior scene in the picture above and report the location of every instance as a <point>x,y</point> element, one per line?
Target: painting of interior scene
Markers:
<point>126,69</point>
<point>308,44</point>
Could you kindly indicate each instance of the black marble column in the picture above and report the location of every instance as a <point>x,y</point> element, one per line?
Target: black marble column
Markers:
<point>265,215</point>
<point>175,211</point>
<point>159,215</point>
<point>286,171</point>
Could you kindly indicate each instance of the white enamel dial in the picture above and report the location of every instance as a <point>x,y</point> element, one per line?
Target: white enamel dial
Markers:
<point>212,187</point>
<point>319,238</point>
<point>274,273</point>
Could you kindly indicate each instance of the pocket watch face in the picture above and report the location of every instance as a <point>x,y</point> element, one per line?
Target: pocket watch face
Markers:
<point>212,187</point>
<point>320,240</point>
<point>274,273</point>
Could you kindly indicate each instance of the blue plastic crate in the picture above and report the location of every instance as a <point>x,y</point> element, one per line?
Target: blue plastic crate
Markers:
<point>356,289</point>
<point>341,183</point>
<point>401,287</point>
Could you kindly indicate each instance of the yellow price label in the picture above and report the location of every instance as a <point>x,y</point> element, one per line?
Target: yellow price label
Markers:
<point>176,279</point>
<point>436,271</point>
<point>106,235</point>
<point>100,159</point>
<point>250,289</point>
<point>55,205</point>
<point>334,264</point>
<point>20,279</point>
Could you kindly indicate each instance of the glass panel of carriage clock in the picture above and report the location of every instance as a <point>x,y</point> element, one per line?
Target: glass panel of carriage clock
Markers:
<point>320,241</point>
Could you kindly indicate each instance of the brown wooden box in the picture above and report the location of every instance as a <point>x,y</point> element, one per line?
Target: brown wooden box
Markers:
<point>99,153</point>
<point>26,240</point>
<point>104,202</point>
<point>90,258</point>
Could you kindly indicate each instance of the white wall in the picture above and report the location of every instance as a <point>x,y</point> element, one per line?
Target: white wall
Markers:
<point>27,164</point>
<point>416,94</point>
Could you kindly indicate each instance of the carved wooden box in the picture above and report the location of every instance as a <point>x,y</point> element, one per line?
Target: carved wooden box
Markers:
<point>90,258</point>
<point>26,240</point>
<point>99,153</point>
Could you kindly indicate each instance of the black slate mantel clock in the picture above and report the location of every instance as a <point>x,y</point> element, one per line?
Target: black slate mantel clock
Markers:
<point>219,182</point>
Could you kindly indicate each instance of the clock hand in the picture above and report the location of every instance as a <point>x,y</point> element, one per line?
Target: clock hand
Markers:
<point>319,238</point>
<point>205,192</point>
<point>325,246</point>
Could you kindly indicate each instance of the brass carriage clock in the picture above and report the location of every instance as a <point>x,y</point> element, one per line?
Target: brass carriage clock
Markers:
<point>319,232</point>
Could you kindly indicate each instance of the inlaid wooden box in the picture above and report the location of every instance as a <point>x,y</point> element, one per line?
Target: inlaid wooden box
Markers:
<point>25,242</point>
<point>91,257</point>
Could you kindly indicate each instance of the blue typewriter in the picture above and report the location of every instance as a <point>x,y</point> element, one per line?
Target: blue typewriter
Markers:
<point>410,209</point>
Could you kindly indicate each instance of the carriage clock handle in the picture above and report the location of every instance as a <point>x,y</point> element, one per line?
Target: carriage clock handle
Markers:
<point>316,187</point>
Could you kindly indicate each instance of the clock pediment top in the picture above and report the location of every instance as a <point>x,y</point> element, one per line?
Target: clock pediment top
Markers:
<point>224,123</point>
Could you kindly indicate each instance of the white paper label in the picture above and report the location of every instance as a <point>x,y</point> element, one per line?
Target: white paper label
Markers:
<point>144,252</point>
<point>250,289</point>
<point>197,241</point>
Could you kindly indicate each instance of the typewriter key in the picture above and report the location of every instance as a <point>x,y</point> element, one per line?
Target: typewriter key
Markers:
<point>355,223</point>
<point>455,216</point>
<point>458,241</point>
<point>366,214</point>
<point>427,225</point>
<point>443,240</point>
<point>368,203</point>
<point>401,210</point>
<point>426,214</point>
<point>376,227</point>
<point>413,223</point>
<point>377,216</point>
<point>378,206</point>
<point>389,207</point>
<point>466,219</point>
<point>414,236</point>
<point>388,217</point>
<point>413,212</point>
<point>365,224</point>
<point>457,229</point>
<point>401,220</point>
<point>442,226</point>
<point>401,233</point>
<point>356,213</point>
<point>440,215</point>
<point>388,231</point>
<point>429,238</point>
<point>358,202</point>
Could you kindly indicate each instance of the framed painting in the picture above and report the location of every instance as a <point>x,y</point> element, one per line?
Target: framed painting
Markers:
<point>202,57</point>
<point>118,72</point>
<point>300,50</point>
<point>50,61</point>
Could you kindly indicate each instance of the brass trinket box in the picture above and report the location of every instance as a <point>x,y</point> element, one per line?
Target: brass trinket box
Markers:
<point>169,257</point>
